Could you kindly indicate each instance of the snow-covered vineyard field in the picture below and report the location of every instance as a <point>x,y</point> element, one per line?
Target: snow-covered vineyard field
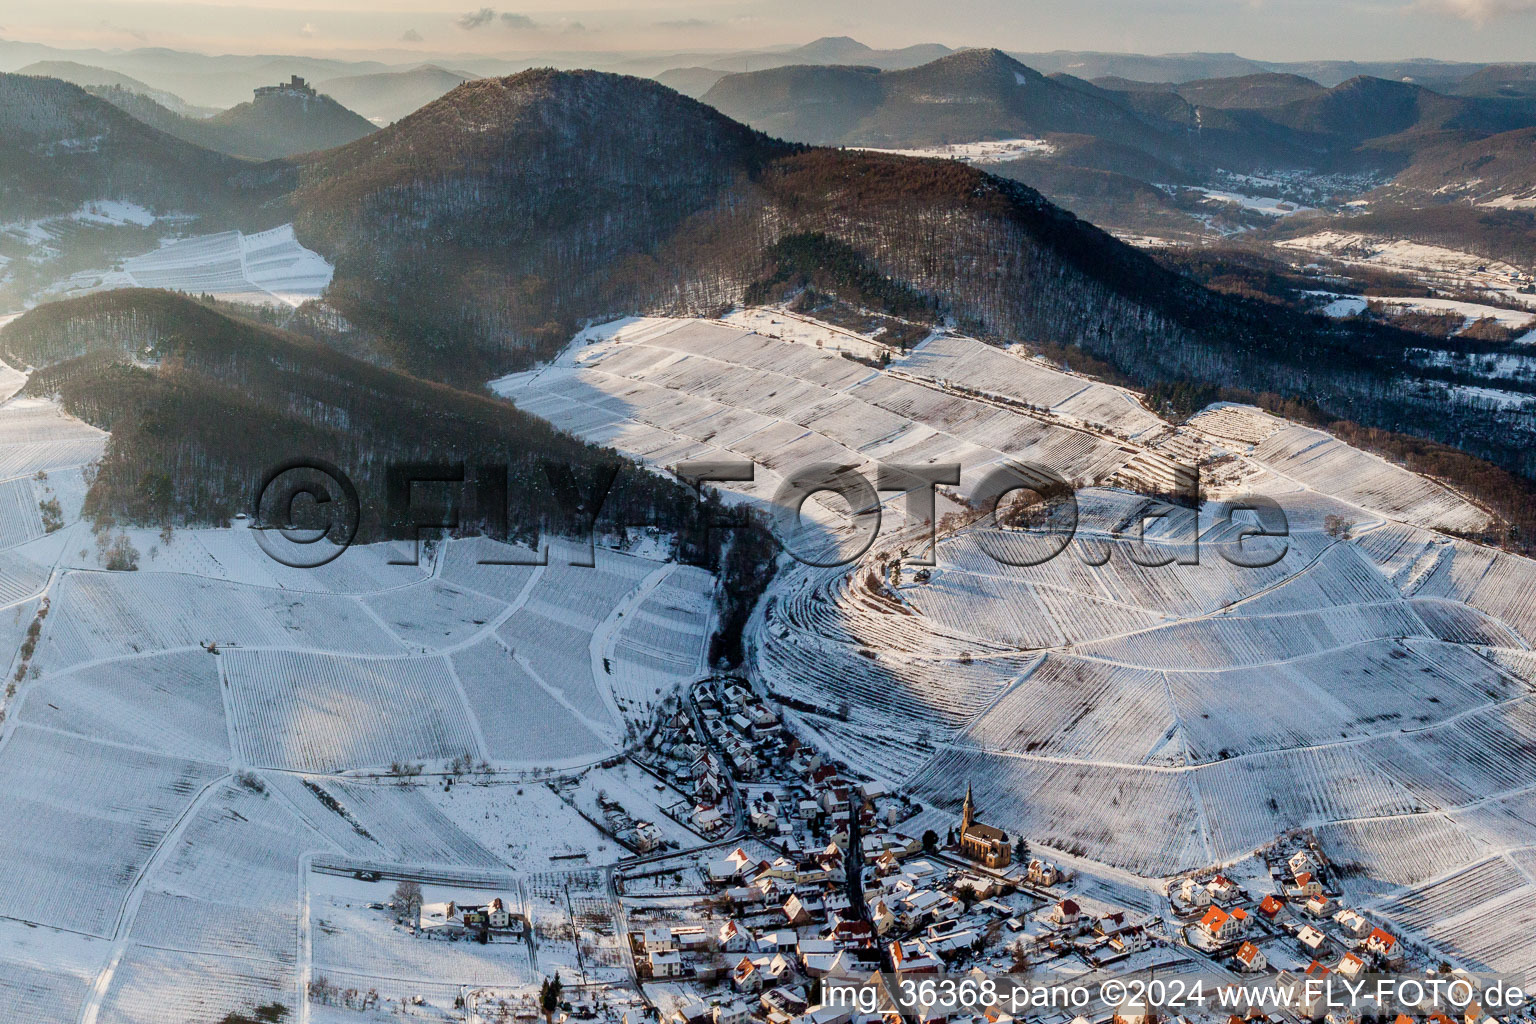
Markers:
<point>267,268</point>
<point>167,807</point>
<point>205,751</point>
<point>1376,687</point>
<point>669,391</point>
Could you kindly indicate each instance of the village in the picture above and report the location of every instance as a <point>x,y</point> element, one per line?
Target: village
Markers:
<point>809,873</point>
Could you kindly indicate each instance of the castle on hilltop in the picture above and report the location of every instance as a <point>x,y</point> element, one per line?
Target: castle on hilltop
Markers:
<point>295,86</point>
<point>980,842</point>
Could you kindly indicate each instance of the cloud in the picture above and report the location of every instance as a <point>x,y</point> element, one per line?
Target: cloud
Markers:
<point>477,19</point>
<point>410,35</point>
<point>1479,11</point>
<point>518,21</point>
<point>686,23</point>
<point>130,32</point>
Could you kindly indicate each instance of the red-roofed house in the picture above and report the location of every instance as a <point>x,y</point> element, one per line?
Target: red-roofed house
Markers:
<point>1251,957</point>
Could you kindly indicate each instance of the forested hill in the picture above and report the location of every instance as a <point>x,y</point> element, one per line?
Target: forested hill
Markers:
<point>201,403</point>
<point>61,146</point>
<point>474,232</point>
<point>475,236</point>
<point>269,127</point>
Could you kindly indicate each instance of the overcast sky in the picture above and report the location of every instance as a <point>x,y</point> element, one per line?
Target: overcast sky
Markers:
<point>1266,29</point>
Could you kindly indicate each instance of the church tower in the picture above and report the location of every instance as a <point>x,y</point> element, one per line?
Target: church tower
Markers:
<point>967,811</point>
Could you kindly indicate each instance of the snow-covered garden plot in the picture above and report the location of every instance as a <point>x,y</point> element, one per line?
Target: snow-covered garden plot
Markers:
<point>109,615</point>
<point>171,703</point>
<point>94,814</point>
<point>315,712</point>
<point>234,555</point>
<point>1375,857</point>
<point>1500,584</point>
<point>1362,690</point>
<point>573,926</point>
<point>335,824</point>
<point>11,379</point>
<point>349,938</point>
<point>1245,424</point>
<point>1002,610</point>
<point>1483,753</point>
<point>558,655</point>
<point>1144,820</point>
<point>433,615</point>
<point>154,986</point>
<point>523,822</point>
<point>905,695</point>
<point>522,722</point>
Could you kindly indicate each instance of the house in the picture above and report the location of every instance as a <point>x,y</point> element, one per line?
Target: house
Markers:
<point>695,1011</point>
<point>1307,885</point>
<point>658,939</point>
<point>1351,966</point>
<point>1222,888</point>
<point>798,911</point>
<point>693,938</point>
<point>1271,908</point>
<point>733,1012</point>
<point>747,976</point>
<point>1352,922</point>
<point>953,944</point>
<point>723,872</point>
<point>439,915</point>
<point>708,817</point>
<point>881,917</point>
<point>783,1001</point>
<point>1066,914</point>
<point>1311,939</point>
<point>1194,894</point>
<point>1251,957</point>
<point>851,933</point>
<point>1383,944</point>
<point>1130,940</point>
<point>914,957</point>
<point>1300,861</point>
<point>666,964</point>
<point>1319,906</point>
<point>982,843</point>
<point>732,938</point>
<point>1040,873</point>
<point>1224,926</point>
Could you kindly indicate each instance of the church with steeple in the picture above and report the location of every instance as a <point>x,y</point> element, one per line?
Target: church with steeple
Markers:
<point>982,843</point>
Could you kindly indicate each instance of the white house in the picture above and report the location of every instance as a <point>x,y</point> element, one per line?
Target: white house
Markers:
<point>1251,957</point>
<point>666,965</point>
